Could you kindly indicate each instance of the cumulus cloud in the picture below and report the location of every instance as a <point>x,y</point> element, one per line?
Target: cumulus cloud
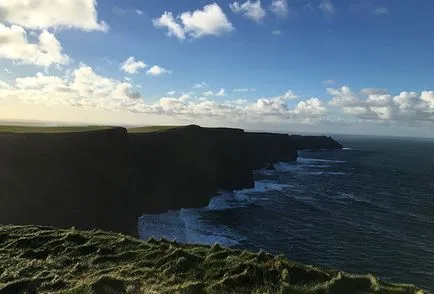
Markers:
<point>250,9</point>
<point>132,66</point>
<point>312,107</point>
<point>15,45</point>
<point>44,14</point>
<point>171,93</point>
<point>279,8</point>
<point>157,71</point>
<point>174,29</point>
<point>378,104</point>
<point>83,88</point>
<point>221,92</point>
<point>209,21</point>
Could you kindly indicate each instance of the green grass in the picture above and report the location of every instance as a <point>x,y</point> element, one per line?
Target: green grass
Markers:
<point>48,260</point>
<point>57,129</point>
<point>150,129</point>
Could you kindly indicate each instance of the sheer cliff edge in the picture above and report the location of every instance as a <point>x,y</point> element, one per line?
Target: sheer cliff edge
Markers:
<point>105,178</point>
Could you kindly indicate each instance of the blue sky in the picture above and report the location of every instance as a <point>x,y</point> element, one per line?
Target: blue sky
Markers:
<point>356,66</point>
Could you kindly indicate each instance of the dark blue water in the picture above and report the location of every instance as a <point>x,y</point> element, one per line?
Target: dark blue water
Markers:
<point>369,208</point>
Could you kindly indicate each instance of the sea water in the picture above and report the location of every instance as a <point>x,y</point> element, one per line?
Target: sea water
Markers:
<point>366,209</point>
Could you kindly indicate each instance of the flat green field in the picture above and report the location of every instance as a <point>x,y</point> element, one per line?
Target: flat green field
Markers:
<point>45,260</point>
<point>40,129</point>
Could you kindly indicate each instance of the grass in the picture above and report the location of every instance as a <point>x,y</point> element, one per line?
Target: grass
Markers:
<point>150,129</point>
<point>45,260</point>
<point>49,129</point>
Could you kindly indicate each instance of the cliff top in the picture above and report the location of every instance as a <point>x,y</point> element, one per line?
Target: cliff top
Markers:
<point>49,129</point>
<point>47,260</point>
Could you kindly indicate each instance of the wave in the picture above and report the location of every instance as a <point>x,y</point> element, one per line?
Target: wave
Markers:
<point>185,226</point>
<point>314,160</point>
<point>188,225</point>
<point>327,173</point>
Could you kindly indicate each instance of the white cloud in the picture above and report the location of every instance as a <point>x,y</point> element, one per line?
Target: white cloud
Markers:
<point>312,107</point>
<point>328,82</point>
<point>428,97</point>
<point>132,66</point>
<point>289,95</point>
<point>210,21</point>
<point>157,71</point>
<point>381,10</point>
<point>343,97</point>
<point>327,7</point>
<point>221,92</point>
<point>171,93</point>
<point>208,93</point>
<point>279,8</point>
<point>6,70</point>
<point>244,90</point>
<point>138,11</point>
<point>276,32</point>
<point>43,14</point>
<point>249,9</point>
<point>369,7</point>
<point>15,45</point>
<point>200,85</point>
<point>373,91</point>
<point>83,88</point>
<point>173,28</point>
<point>380,105</point>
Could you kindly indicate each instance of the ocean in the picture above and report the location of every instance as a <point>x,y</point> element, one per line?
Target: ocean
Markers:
<point>366,209</point>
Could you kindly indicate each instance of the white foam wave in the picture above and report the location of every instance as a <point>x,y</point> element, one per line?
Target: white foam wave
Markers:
<point>314,160</point>
<point>188,226</point>
<point>185,226</point>
<point>264,186</point>
<point>327,173</point>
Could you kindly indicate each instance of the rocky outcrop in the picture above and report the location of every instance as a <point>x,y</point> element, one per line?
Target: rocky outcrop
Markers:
<point>107,178</point>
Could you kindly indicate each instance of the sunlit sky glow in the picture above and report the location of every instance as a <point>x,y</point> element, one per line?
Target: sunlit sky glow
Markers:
<point>328,66</point>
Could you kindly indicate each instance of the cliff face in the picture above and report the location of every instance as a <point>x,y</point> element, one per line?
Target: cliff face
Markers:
<point>65,179</point>
<point>266,148</point>
<point>314,142</point>
<point>107,178</point>
<point>185,167</point>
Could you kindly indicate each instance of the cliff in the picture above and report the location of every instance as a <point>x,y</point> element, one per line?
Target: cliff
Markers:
<point>267,148</point>
<point>106,178</point>
<point>46,260</point>
<point>185,166</point>
<point>64,179</point>
<point>314,142</point>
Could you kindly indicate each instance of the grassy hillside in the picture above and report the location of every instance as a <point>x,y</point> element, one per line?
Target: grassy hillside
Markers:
<point>46,260</point>
<point>39,129</point>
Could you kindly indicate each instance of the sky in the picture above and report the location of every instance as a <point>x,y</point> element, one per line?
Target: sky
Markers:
<point>322,66</point>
